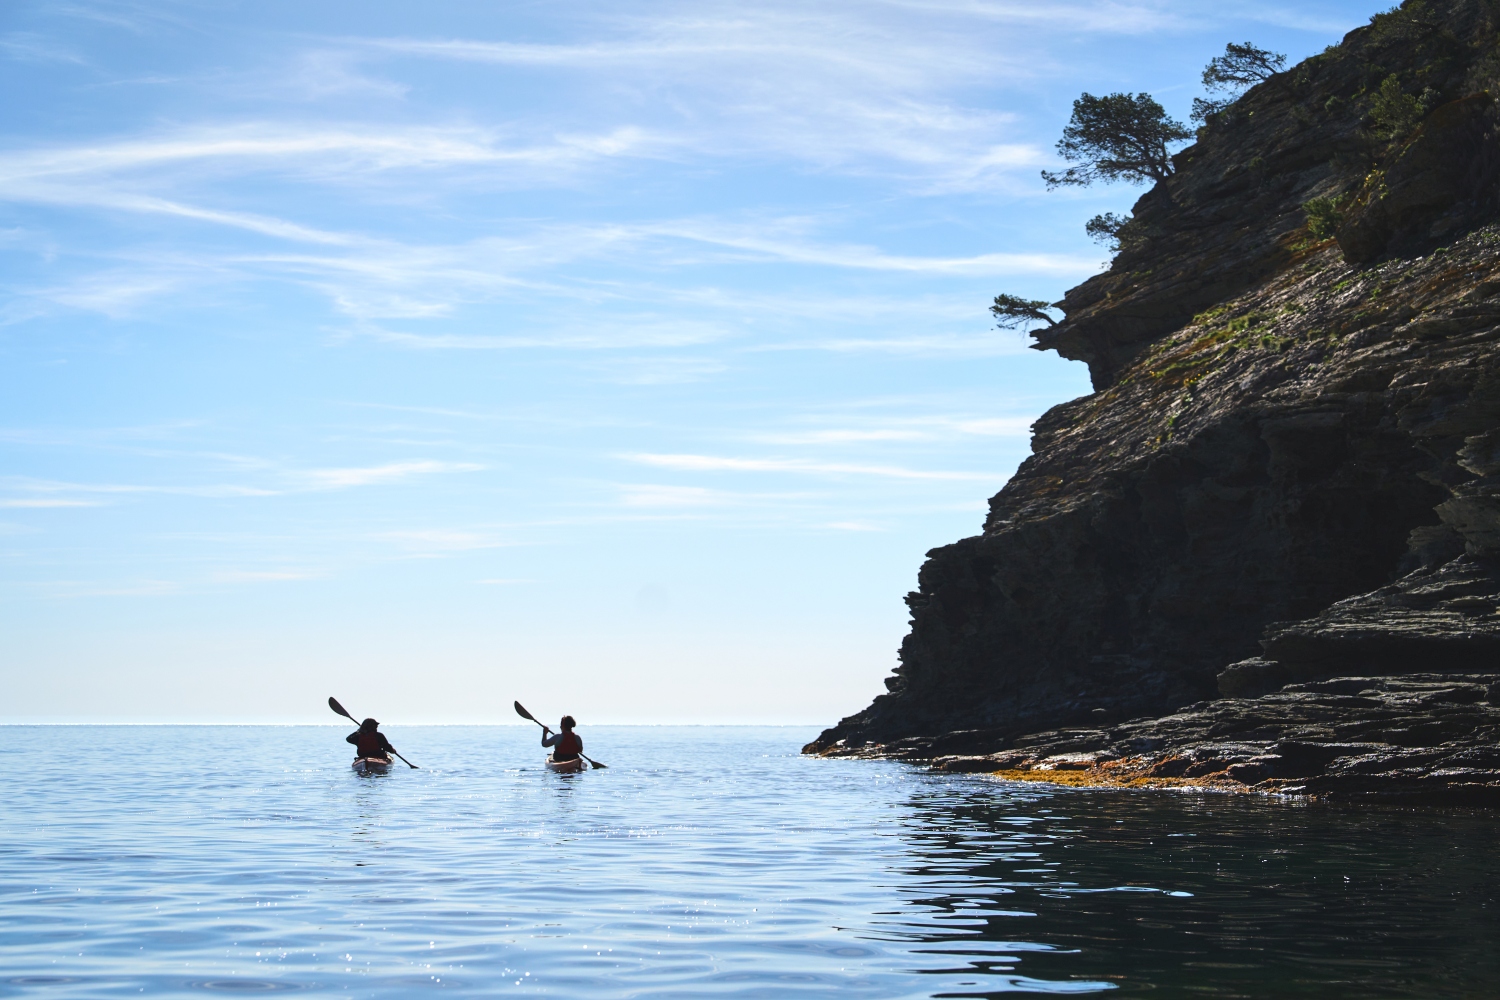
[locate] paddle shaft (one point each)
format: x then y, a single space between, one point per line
333 704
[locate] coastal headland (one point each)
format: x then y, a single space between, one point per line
1280 506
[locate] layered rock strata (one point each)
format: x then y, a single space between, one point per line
1290 466
1416 738
1433 619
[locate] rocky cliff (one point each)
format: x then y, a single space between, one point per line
1290 466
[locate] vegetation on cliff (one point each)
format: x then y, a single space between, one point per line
1239 68
1128 137
1119 137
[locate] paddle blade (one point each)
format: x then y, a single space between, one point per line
333 703
598 766
521 711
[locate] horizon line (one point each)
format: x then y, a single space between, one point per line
490 725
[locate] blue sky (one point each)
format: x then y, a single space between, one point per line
624 358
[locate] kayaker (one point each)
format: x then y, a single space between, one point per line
565 745
370 742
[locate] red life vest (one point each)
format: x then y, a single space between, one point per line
567 746
370 744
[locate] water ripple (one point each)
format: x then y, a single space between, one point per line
209 865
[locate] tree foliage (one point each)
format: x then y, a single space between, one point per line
1238 69
1396 112
1324 215
1241 67
1205 108
1405 20
1117 137
1114 232
1013 312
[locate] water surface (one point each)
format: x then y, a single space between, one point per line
188 861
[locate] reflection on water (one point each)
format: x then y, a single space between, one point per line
1194 894
186 871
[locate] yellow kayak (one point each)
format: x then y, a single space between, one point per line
565 766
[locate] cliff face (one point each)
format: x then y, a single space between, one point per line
1279 424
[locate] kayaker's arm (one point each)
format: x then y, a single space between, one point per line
548 739
352 738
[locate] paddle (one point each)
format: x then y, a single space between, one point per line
333 703
521 711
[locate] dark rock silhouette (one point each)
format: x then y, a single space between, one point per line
1417 738
1290 466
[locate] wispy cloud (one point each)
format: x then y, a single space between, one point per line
376 280
658 370
987 344
265 575
131 15
622 332
85 196
144 176
280 481
907 429
767 80
774 242
715 463
320 74
49 488
845 436
335 479
42 503
113 293
1087 17
996 426
895 94
383 281
729 36
670 496
1123 18
1299 17
137 588
327 152
443 541
25 46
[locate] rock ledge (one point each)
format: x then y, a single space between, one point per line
1416 738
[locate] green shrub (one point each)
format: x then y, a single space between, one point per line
1395 111
1324 216
1400 21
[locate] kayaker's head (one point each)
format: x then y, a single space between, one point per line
369 726
567 723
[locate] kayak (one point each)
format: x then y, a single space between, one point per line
565 766
370 765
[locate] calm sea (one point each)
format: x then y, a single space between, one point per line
188 861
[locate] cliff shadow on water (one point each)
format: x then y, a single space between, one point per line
1289 470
